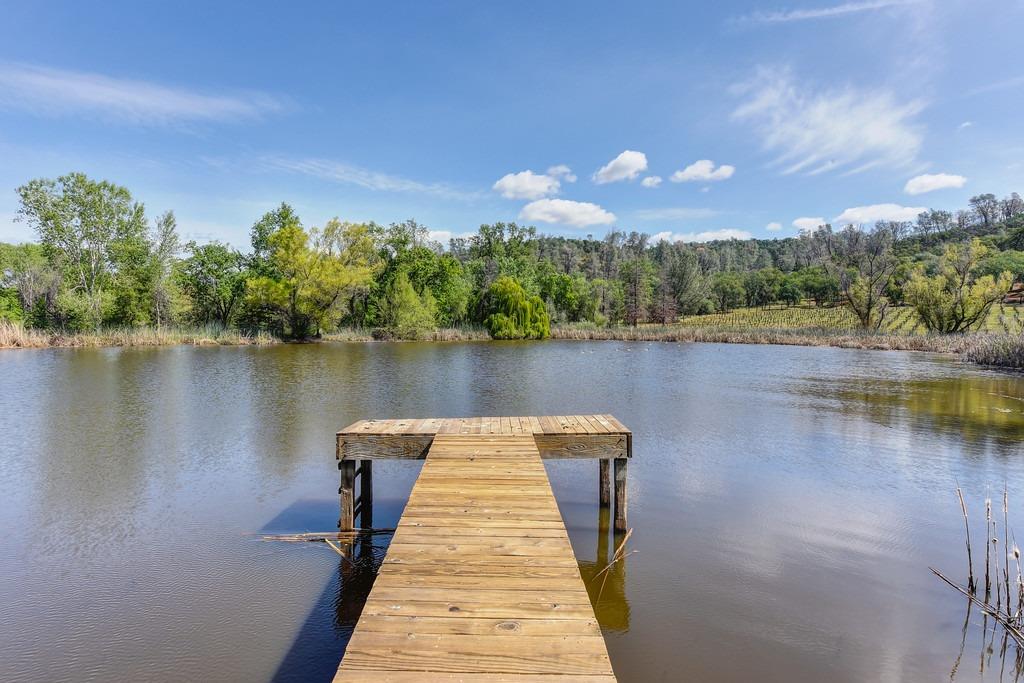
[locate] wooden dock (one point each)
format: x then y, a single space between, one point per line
480 582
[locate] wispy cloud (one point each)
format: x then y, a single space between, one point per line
675 213
818 130
57 92
1015 82
786 16
347 174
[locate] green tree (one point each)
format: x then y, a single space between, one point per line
997 263
213 278
406 314
637 277
955 299
165 247
513 313
312 272
791 291
93 232
727 290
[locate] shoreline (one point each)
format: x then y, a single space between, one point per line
997 350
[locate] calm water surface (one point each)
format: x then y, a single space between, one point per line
786 503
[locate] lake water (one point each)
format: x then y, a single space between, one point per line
786 503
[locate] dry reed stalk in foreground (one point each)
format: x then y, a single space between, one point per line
1010 617
971 585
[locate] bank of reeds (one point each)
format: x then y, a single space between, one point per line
13 335
1003 350
847 339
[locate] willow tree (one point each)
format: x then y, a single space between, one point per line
955 299
311 274
513 313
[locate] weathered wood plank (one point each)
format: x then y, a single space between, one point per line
480 582
608 446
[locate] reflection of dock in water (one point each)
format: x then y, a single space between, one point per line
480 579
607 589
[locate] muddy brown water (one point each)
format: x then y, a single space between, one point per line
786 504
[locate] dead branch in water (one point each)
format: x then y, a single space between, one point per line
324 536
986 608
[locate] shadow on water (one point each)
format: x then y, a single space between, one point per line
320 643
318 646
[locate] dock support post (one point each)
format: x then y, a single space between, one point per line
620 494
605 484
348 480
366 494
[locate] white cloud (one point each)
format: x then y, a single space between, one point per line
347 174
530 185
774 226
814 131
965 124
566 212
808 223
626 166
675 213
651 181
563 172
846 8
929 182
443 236
53 92
703 171
706 236
527 185
878 212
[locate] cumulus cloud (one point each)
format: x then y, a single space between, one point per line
808 222
530 185
929 182
878 212
347 174
817 130
674 213
626 166
651 181
53 92
774 226
831 12
706 236
703 171
527 185
563 172
566 212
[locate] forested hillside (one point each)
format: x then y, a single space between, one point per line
101 261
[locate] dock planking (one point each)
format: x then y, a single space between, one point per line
480 582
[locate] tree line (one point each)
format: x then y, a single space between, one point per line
101 262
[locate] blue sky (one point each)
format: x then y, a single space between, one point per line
688 121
